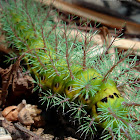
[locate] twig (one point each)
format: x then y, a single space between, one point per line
85 48
130 104
137 64
15 134
91 122
126 134
111 69
108 47
23 129
67 53
111 133
118 118
26 9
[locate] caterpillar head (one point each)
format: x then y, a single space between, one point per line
109 98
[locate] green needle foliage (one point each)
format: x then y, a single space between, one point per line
72 72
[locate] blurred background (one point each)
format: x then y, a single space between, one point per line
125 9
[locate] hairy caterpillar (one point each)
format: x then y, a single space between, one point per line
56 62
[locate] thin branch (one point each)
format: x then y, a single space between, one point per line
112 68
19 59
84 49
24 130
53 65
51 96
130 104
49 52
53 28
56 43
65 100
26 9
118 34
42 33
67 53
126 134
75 37
111 133
91 122
133 83
48 13
137 64
84 59
118 118
40 61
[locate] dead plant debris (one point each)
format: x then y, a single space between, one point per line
21 83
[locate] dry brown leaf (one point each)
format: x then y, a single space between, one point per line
10 113
21 83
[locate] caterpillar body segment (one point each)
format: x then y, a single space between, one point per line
85 85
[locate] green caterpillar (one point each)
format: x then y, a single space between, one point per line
58 71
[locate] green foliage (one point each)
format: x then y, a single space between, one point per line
75 76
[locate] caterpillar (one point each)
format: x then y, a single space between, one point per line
68 68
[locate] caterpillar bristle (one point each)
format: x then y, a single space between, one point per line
75 73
